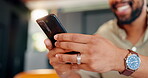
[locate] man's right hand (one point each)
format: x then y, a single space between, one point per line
63 70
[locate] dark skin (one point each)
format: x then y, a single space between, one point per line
97 48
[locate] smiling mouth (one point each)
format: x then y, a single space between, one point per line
123 8
122 5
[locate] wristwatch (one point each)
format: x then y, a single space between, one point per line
132 63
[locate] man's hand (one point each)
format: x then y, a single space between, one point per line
63 70
97 53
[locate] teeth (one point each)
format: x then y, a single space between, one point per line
123 8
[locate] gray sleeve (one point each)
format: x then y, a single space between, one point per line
88 74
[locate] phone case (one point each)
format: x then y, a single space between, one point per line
51 26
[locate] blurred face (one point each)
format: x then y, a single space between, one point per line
126 11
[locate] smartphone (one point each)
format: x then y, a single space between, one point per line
51 26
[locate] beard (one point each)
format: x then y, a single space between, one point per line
133 16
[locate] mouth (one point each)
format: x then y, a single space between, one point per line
123 8
122 5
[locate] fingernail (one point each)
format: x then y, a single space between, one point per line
46 41
57 55
56 44
48 44
55 37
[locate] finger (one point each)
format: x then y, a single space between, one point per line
79 38
62 67
55 51
68 58
48 44
54 61
72 46
57 64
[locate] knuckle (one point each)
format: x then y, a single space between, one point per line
52 62
85 48
92 66
90 60
75 37
92 39
91 50
68 45
95 39
67 37
95 67
49 55
61 58
70 60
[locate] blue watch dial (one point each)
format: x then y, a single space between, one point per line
133 62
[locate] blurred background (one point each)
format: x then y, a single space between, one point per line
21 39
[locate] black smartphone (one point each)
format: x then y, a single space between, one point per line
51 26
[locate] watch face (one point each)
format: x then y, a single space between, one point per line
133 62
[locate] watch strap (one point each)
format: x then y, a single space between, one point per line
127 71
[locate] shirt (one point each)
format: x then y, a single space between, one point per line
116 35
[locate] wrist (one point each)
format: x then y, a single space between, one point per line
132 63
120 62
